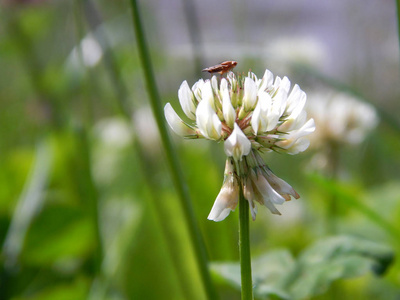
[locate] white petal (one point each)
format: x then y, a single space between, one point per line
196 88
228 111
176 123
186 99
295 102
224 84
265 201
237 144
253 209
299 146
214 83
208 121
259 119
265 189
250 94
207 94
279 101
279 185
249 195
285 84
293 136
227 198
292 124
266 81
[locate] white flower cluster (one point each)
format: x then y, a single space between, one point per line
341 118
250 115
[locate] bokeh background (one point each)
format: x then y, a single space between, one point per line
87 206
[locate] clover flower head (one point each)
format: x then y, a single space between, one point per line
249 115
341 118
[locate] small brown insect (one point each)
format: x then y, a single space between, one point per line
221 68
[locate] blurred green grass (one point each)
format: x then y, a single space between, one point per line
72 111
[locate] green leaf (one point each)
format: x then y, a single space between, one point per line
76 290
336 258
60 232
267 269
277 274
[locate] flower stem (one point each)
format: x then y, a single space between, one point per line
244 248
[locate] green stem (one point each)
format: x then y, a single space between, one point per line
172 159
244 248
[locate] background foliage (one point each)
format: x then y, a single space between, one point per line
84 215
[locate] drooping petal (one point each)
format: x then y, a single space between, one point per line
265 189
249 195
226 201
186 99
237 144
279 185
250 94
228 197
208 121
253 209
264 200
177 124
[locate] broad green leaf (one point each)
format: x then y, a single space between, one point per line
268 270
276 273
76 290
336 258
60 232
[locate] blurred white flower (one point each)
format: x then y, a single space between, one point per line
114 132
112 136
250 115
88 52
340 118
290 50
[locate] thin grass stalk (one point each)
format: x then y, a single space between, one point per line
94 19
244 248
398 22
58 122
172 158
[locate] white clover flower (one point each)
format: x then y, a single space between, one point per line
341 119
249 115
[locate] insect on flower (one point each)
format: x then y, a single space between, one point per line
221 68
